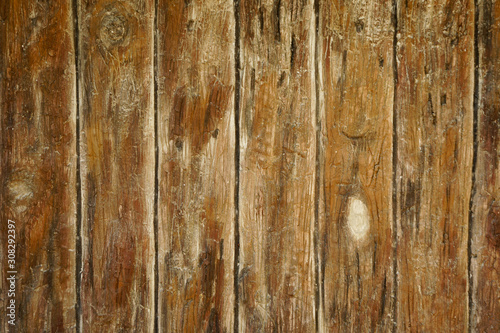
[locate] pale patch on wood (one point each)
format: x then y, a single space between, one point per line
20 189
358 219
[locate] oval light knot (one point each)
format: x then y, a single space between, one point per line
357 218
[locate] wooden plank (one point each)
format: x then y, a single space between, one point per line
38 165
117 165
435 140
486 219
196 165
357 93
278 145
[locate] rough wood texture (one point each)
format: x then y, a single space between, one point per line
434 159
251 165
355 239
196 165
117 165
38 163
277 133
486 218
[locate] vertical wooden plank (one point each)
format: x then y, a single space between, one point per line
435 146
485 252
196 165
117 165
278 139
38 164
357 89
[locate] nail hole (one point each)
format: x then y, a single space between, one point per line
178 144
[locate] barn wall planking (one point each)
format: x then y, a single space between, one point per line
485 251
38 164
355 238
196 137
434 162
117 165
278 144
320 165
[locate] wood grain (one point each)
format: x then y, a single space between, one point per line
251 165
355 226
38 174
278 143
485 252
117 165
196 136
435 149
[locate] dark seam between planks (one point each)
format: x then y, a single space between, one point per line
475 131
237 83
156 186
318 167
78 244
394 169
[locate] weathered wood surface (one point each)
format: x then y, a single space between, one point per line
278 140
251 165
196 138
485 260
356 111
38 163
117 165
435 44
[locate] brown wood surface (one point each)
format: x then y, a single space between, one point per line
196 136
251 165
434 162
278 141
486 219
38 163
355 233
117 165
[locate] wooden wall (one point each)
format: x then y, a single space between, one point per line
250 165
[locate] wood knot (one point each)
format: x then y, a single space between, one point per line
359 24
113 28
358 219
178 144
20 190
